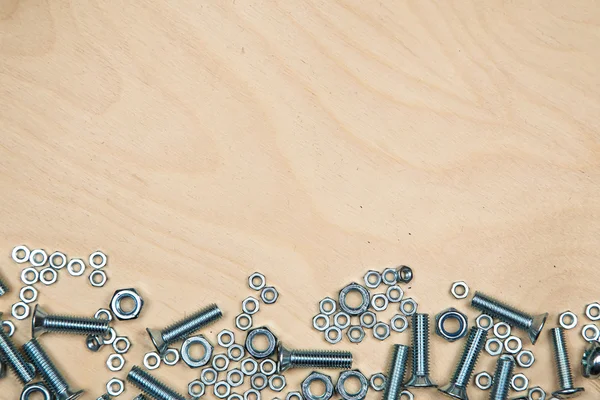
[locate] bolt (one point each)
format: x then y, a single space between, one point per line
3 288
42 322
152 386
50 374
312 359
502 377
11 357
105 396
533 325
590 362
563 366
183 328
457 387
396 371
141 396
420 352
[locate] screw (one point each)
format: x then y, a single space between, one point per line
420 352
152 386
396 371
141 396
42 322
590 362
10 356
533 325
3 288
563 366
50 374
105 396
457 387
183 328
504 371
312 359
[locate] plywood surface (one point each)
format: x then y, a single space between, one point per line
197 142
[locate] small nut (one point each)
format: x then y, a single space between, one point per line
356 334
484 322
94 342
540 394
151 360
381 331
333 334
405 274
269 295
483 380
121 344
249 366
359 394
115 362
460 290
220 362
277 383
372 279
592 311
389 276
567 320
20 310
293 396
525 359
171 356
236 352
408 306
271 342
28 294
235 377
115 387
327 306
243 322
493 346
321 322
10 325
379 302
253 394
502 330
222 389
519 382
119 296
257 281
394 294
341 320
259 381
377 381
196 389
209 376
399 323
368 319
268 367
590 333
317 377
250 305
103 313
226 338
513 345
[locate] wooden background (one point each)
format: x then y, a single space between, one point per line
196 142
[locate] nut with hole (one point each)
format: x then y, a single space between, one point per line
381 331
186 351
126 314
226 338
250 305
355 334
460 290
408 306
483 380
196 389
494 346
277 383
372 279
321 322
327 306
484 322
115 362
592 311
451 314
525 359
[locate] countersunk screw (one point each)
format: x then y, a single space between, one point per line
183 328
42 322
502 377
312 359
3 288
152 386
10 356
563 366
457 387
533 325
396 371
420 352
50 374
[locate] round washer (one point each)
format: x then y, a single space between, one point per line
22 249
20 310
11 327
110 387
38 257
44 276
94 256
187 356
98 283
36 387
365 299
271 343
76 267
25 276
171 357
378 387
57 260
152 360
23 294
499 334
462 325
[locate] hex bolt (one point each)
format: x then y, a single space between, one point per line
3 288
183 328
420 352
502 377
13 359
533 325
42 322
312 359
152 386
563 366
396 371
50 374
457 388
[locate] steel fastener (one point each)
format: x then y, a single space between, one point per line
396 371
312 359
501 382
420 352
9 354
563 366
152 386
43 322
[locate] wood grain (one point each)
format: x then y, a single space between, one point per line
197 142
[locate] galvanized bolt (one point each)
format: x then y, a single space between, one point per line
533 325
312 359
457 387
152 386
43 322
11 357
502 377
420 352
50 374
141 396
105 396
3 288
563 366
396 371
183 328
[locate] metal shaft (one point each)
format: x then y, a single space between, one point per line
563 366
9 354
395 376
3 288
43 322
185 327
533 325
50 374
312 359
420 352
105 396
502 377
152 386
457 387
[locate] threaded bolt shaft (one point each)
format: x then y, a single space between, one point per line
504 371
396 371
43 322
152 386
420 352
13 359
457 387
3 288
50 374
312 359
563 365
185 327
533 325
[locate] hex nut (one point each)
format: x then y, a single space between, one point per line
327 306
405 274
119 296
209 376
493 346
120 362
389 276
314 377
44 278
109 337
379 302
186 355
23 294
250 305
592 311
341 388
541 394
460 290
236 352
451 313
271 369
20 310
220 362
293 396
502 330
408 306
378 387
341 320
408 394
372 279
368 319
277 383
567 320
355 334
243 322
271 340
483 380
168 360
155 363
594 330
257 281
226 338
235 396
121 344
10 325
249 366
394 294
365 299
484 322
321 322
514 382
525 359
62 260
98 282
110 387
513 345
399 323
196 389
333 334
222 390
235 377
259 381
381 331
253 392
269 295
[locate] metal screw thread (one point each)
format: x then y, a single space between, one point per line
466 365
141 396
3 288
320 359
563 365
15 360
420 344
105 396
75 325
502 311
50 374
504 371
152 386
181 329
396 371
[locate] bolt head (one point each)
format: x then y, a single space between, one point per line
37 321
591 361
283 358
454 391
69 395
420 381
536 327
568 393
157 340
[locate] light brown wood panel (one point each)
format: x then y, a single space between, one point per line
197 142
